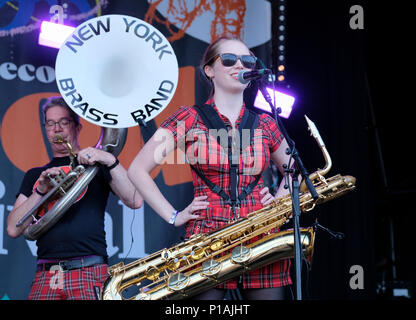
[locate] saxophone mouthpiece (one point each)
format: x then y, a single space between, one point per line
314 131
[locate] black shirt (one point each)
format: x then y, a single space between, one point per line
80 231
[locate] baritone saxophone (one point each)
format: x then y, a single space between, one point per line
206 260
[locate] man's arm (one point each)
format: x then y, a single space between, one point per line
120 183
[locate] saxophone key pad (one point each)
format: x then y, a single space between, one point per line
240 254
177 281
210 268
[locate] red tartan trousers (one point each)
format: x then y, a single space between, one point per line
78 284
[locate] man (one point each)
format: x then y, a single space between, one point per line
72 255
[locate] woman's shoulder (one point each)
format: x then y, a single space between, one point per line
265 117
268 123
183 113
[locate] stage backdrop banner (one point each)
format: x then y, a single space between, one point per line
27 78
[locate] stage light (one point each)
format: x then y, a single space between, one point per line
280 13
283 101
53 34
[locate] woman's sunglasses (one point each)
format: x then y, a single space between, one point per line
230 59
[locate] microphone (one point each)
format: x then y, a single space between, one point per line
246 76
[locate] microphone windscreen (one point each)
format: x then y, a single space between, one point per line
241 77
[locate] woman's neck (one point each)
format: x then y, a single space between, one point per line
229 105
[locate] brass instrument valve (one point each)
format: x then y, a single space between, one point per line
69 178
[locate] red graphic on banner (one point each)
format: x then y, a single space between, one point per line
228 16
21 132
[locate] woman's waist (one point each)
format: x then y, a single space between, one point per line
220 211
244 192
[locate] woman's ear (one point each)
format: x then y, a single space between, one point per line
209 72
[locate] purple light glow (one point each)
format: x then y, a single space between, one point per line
53 34
282 100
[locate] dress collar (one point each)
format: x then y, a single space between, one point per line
224 118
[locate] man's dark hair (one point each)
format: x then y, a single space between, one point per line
59 101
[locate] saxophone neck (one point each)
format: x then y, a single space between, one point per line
320 173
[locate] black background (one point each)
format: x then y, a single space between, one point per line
356 85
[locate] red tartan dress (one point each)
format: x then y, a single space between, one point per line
201 149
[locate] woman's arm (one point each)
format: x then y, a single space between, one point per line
160 145
120 183
280 158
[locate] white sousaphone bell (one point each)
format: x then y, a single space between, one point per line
116 70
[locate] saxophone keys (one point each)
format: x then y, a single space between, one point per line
236 235
216 244
115 269
240 254
174 264
321 178
177 281
152 273
197 253
165 255
309 207
210 268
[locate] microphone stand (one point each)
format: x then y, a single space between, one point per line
300 169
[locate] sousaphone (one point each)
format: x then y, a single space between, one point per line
115 71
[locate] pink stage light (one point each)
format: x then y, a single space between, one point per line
282 100
53 34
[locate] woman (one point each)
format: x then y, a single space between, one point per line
221 64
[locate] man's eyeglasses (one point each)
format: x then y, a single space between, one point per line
230 59
63 123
